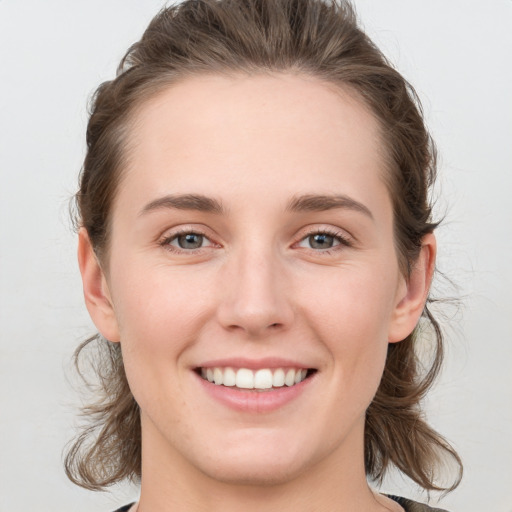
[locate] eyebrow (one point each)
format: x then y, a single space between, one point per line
185 202
324 202
303 203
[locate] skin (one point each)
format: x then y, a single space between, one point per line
257 288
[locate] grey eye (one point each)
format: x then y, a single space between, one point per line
321 241
190 241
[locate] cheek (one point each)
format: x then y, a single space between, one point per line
154 305
352 317
159 313
355 303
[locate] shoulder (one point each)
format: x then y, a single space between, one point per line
414 506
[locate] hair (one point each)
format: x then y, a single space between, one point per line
317 38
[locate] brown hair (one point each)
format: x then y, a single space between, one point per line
309 37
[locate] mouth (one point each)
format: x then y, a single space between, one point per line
258 380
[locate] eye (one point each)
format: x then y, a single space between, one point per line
186 241
323 240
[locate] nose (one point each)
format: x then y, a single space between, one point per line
255 296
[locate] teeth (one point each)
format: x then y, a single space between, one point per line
265 378
244 379
300 375
278 378
289 380
229 377
217 376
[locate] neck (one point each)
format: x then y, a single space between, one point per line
337 482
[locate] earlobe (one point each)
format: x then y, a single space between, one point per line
413 295
96 291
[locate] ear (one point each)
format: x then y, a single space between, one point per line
413 292
96 291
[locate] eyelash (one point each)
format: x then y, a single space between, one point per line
338 236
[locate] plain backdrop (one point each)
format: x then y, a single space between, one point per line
53 53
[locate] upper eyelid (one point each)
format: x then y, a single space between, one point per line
333 231
183 229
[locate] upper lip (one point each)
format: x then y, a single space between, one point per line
254 364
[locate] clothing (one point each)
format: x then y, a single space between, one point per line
414 506
408 506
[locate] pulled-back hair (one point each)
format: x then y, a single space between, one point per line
305 37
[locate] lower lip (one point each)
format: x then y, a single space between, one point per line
255 401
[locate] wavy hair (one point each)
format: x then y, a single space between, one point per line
318 38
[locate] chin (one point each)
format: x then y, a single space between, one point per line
264 463
248 473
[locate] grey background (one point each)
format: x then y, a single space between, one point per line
53 53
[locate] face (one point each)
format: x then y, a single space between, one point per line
252 278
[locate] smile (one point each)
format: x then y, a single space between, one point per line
263 379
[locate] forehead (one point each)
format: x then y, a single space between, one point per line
268 132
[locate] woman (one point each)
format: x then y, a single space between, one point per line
256 248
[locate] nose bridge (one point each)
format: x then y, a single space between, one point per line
255 298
